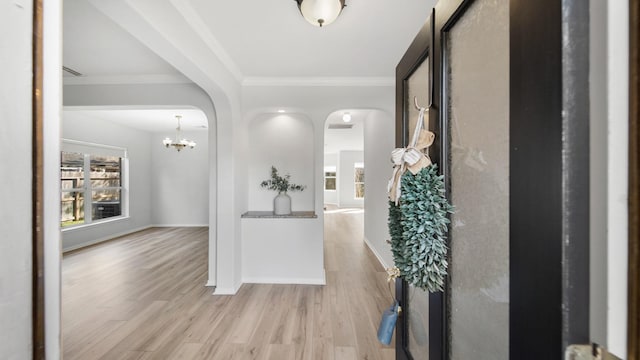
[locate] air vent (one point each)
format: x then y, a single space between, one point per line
340 126
71 71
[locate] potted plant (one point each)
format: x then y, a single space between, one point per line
281 184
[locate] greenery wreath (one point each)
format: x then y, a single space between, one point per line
419 227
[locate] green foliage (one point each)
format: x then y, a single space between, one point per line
281 184
395 231
418 229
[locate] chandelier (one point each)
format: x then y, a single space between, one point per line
320 12
178 143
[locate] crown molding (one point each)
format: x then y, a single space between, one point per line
127 79
318 81
248 82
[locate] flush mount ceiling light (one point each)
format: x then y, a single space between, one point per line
320 12
346 117
178 143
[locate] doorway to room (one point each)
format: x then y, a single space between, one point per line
344 160
343 176
343 183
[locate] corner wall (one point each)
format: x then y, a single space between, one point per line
52 90
15 182
618 174
609 94
379 130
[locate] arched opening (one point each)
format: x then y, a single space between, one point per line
118 179
353 154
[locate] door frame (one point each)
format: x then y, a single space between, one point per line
549 191
37 185
421 48
633 335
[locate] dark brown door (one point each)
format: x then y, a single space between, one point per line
419 330
514 153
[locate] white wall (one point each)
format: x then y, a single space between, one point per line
77 126
379 139
346 178
286 142
52 102
180 182
617 182
281 251
331 196
15 182
608 174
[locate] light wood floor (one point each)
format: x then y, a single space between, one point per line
143 297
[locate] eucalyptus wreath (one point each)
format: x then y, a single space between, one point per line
419 227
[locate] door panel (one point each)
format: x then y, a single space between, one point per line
417 300
421 319
476 114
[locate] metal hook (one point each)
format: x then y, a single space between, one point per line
415 102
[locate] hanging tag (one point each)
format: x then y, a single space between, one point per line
388 323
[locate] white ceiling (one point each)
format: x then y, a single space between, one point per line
94 45
263 38
270 38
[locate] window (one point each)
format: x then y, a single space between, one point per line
91 186
359 180
330 178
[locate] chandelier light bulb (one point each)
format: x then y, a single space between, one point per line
177 143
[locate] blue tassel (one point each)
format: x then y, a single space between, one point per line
388 323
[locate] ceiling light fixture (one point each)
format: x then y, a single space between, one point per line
281 111
346 117
320 12
178 143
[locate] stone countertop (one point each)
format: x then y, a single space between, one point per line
271 215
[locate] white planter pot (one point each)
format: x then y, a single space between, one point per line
282 204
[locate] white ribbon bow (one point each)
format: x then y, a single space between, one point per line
411 157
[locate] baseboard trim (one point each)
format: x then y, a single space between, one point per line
375 252
103 239
179 225
288 281
225 291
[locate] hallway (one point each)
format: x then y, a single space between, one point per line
141 297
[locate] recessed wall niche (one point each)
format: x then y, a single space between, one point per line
286 142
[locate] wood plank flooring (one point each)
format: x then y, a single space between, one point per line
143 297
